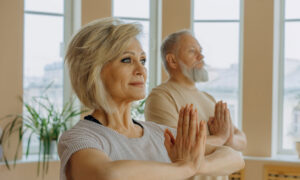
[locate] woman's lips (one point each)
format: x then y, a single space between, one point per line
138 84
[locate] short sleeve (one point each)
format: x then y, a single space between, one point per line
73 141
161 108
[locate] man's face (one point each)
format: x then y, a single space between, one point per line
189 52
190 59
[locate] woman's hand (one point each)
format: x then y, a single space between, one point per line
189 146
220 125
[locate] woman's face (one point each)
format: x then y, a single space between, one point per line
125 77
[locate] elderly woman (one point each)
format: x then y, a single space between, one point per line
107 72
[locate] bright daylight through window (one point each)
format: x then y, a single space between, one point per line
217 28
43 53
291 80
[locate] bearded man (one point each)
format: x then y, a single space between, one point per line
183 59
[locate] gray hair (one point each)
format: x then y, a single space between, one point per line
169 44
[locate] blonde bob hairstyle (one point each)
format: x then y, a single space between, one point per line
95 44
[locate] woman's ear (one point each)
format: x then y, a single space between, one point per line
171 60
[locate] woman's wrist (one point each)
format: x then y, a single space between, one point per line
187 168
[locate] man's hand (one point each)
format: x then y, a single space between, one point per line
189 146
231 134
220 125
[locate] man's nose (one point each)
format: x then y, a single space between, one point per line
200 56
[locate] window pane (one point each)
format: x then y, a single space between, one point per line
131 8
52 6
292 9
43 64
292 40
220 43
216 9
291 107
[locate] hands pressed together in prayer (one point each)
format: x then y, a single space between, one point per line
189 145
221 124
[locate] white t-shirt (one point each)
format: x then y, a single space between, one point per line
88 134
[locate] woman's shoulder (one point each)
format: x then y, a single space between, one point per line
83 132
82 135
81 129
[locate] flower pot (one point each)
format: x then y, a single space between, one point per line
52 150
298 148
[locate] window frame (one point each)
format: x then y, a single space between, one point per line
278 79
68 26
240 55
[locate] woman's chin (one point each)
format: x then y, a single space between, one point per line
138 97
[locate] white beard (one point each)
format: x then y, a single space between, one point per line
194 74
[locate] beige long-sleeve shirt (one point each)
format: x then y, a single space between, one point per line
164 103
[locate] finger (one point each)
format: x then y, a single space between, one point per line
202 134
167 141
171 136
227 117
179 126
210 124
185 124
216 109
193 126
222 115
228 112
210 120
218 116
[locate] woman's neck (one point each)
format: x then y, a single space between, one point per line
120 120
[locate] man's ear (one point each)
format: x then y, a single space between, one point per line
171 60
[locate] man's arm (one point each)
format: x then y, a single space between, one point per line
237 140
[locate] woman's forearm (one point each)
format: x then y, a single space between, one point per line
222 161
136 170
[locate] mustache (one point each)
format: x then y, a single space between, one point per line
200 62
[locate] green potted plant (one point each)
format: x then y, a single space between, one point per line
137 110
43 119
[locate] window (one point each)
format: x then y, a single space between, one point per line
44 30
216 25
147 13
289 77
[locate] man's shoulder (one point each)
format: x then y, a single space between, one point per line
161 90
163 86
209 96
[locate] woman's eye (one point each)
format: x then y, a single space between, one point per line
126 60
143 61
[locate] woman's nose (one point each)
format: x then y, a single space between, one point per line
140 69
